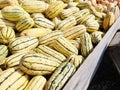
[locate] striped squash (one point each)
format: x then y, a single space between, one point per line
74 32
23 43
50 37
80 15
14 13
50 1
34 6
99 15
76 60
116 11
66 1
36 83
100 22
35 32
45 50
66 23
7 34
84 4
60 76
92 25
75 43
63 46
13 79
86 18
14 59
2 24
8 23
88 5
4 3
72 4
3 53
96 36
77 0
43 22
1 14
38 64
25 23
54 9
100 8
68 12
37 15
56 21
86 44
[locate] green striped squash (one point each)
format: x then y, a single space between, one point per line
47 51
86 44
50 37
86 18
68 12
37 15
13 79
43 22
72 4
50 1
92 25
3 53
2 24
36 83
38 64
64 46
96 36
14 13
66 23
116 11
80 15
84 4
88 5
24 43
24 24
56 20
76 60
7 34
75 43
34 6
60 76
74 32
8 23
66 1
54 9
14 59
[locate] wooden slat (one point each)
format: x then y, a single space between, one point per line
82 77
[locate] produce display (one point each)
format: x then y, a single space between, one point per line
43 42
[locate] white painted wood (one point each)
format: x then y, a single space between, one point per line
82 77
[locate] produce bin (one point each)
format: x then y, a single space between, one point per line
84 74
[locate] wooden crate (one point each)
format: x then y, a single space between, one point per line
82 77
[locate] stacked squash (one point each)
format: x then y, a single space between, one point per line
43 43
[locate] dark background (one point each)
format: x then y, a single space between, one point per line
107 76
